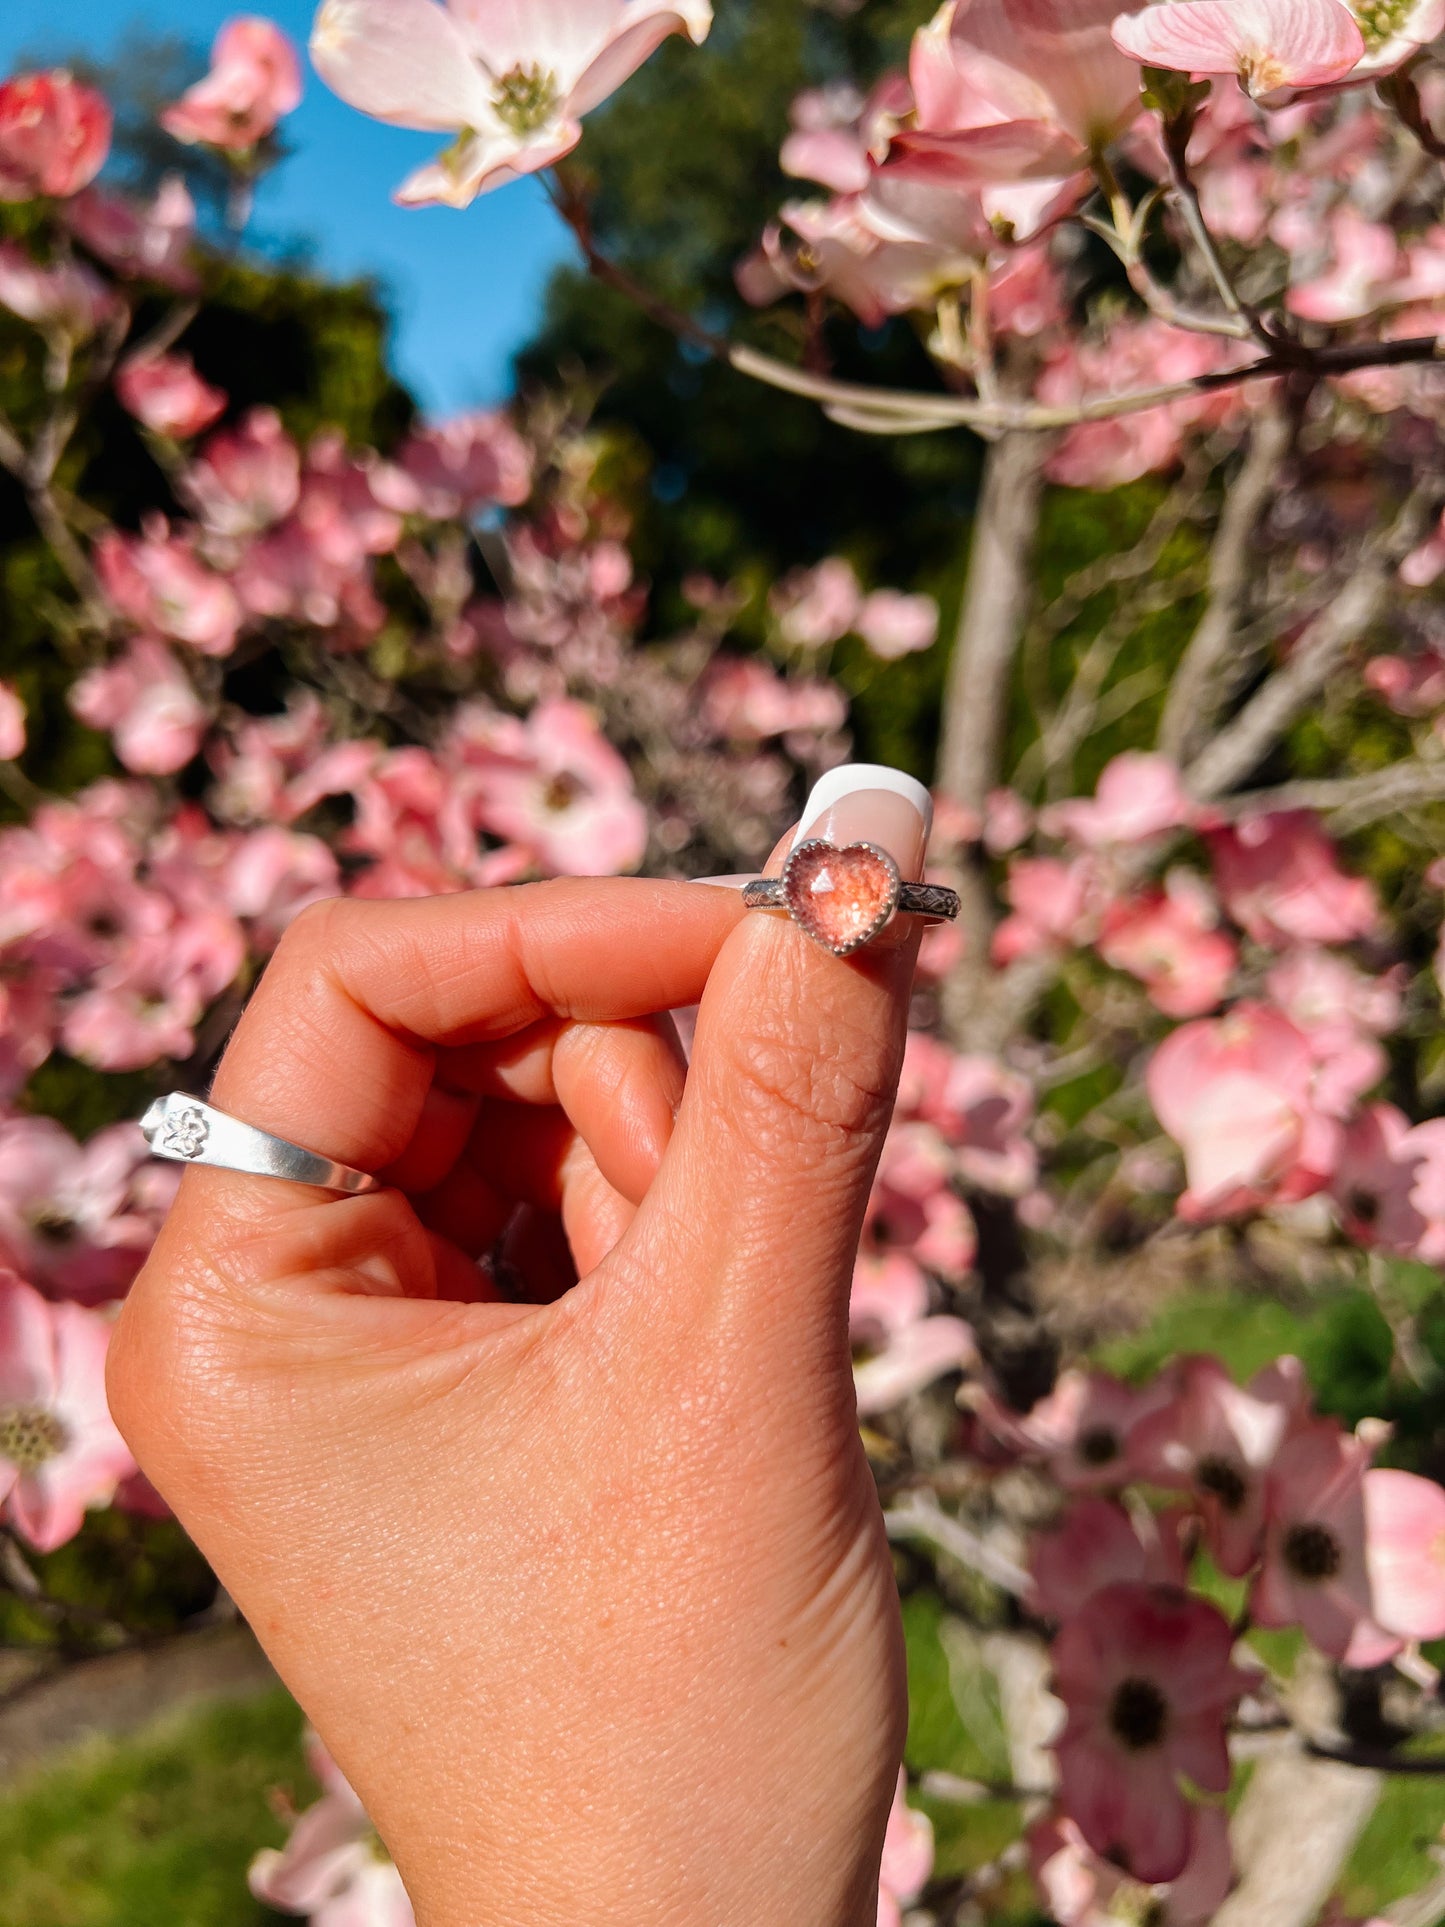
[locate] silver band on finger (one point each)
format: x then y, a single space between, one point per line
187 1131
844 898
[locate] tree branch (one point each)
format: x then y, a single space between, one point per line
990 631
905 411
1352 801
1192 698
920 1516
1294 1830
1242 746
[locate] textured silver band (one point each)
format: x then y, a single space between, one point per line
187 1131
930 900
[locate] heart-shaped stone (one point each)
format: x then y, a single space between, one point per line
841 897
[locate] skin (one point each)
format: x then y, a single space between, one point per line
590 1596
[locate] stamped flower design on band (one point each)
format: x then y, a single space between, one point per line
185 1133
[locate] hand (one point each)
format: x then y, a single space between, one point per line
590 1598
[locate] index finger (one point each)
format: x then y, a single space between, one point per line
337 1047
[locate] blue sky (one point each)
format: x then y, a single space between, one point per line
465 287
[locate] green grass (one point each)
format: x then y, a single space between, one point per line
1391 1857
155 1831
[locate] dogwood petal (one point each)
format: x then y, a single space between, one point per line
482 165
27 1345
645 25
562 37
403 61
1009 151
1270 43
1405 1552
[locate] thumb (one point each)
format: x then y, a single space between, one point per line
760 1198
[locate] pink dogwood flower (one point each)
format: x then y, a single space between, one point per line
333 1871
1364 259
512 84
63 299
274 874
467 463
815 607
1097 1543
1085 1429
158 582
1280 880
1146 1676
837 133
1217 1441
1134 354
911 1209
907 1857
1405 1553
743 700
70 1221
147 704
893 624
1271 45
1314 1572
556 786
1008 821
248 478
1394 34
60 1452
1139 796
1082 1890
1411 685
1236 1093
982 1108
12 723
898 1348
1169 939
253 83
140 244
54 135
1009 93
166 395
1053 906
861 252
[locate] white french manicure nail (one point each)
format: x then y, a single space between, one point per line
871 803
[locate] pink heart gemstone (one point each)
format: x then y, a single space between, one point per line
841 898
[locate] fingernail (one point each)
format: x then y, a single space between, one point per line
726 883
871 803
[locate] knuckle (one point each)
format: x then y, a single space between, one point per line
816 1092
312 934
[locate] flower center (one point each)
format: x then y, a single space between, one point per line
525 99
1312 1552
1381 20
1364 1206
1138 1714
1263 73
562 792
1222 1481
29 1435
1099 1445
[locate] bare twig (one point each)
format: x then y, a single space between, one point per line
1351 801
919 1516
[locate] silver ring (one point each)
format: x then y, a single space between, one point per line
187 1131
844 898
